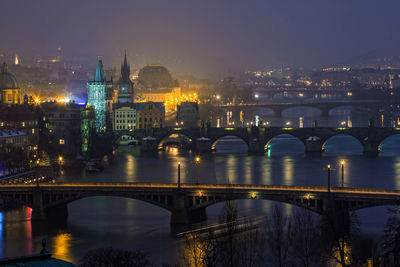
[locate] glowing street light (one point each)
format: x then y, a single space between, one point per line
179 174
253 196
342 164
60 162
197 163
329 178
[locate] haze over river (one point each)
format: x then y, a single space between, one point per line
131 224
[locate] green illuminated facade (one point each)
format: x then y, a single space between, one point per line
88 128
97 96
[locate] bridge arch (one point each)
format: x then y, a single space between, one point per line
332 109
389 144
163 141
219 138
283 134
358 144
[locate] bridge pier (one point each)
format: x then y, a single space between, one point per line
182 215
313 145
203 144
370 148
40 212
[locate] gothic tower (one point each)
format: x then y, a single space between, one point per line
125 85
97 96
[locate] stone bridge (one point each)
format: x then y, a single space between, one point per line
323 107
188 202
258 138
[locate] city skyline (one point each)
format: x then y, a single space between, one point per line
204 38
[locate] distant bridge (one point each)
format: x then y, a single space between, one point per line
258 138
323 107
188 202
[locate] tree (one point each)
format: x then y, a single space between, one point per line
339 229
200 250
278 231
305 238
391 243
110 257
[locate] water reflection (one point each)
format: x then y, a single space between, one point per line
62 246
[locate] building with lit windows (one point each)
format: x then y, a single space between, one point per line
22 118
188 114
97 90
125 85
10 93
63 123
124 116
150 115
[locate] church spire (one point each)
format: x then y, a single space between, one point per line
125 69
99 76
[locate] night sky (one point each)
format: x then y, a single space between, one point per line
202 37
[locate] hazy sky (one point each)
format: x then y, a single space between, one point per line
202 36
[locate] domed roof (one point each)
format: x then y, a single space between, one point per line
7 80
155 76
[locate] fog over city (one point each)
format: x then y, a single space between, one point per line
207 38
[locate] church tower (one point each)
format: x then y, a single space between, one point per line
125 85
96 90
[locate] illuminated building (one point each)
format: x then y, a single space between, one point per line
97 96
188 114
125 85
10 93
22 118
88 128
150 115
63 121
124 116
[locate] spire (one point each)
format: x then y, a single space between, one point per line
125 61
4 67
125 70
99 76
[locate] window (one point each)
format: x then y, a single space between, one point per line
62 142
33 131
62 115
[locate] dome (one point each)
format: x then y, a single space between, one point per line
155 76
7 80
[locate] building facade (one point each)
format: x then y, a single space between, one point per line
124 116
10 93
125 85
188 114
22 118
150 115
88 128
63 122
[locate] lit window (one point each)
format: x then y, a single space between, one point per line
23 124
62 141
33 131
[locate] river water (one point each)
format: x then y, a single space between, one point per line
131 224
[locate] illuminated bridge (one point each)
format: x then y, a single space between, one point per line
188 202
323 107
258 138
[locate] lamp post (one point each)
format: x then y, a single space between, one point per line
342 164
179 174
197 163
60 160
329 178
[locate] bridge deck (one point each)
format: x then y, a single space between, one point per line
194 187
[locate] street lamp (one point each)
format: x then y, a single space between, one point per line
329 178
197 163
342 164
60 161
179 174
